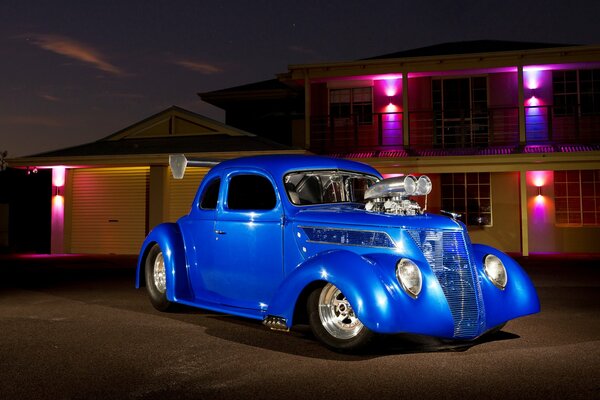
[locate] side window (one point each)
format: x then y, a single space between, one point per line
251 192
210 195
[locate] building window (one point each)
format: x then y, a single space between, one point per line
460 112
356 103
577 197
575 89
470 195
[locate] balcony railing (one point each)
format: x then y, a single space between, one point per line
494 127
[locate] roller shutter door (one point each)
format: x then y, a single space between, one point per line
109 212
182 192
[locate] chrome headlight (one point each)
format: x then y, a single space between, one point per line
495 270
409 277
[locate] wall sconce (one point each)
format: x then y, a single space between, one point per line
534 92
539 191
58 191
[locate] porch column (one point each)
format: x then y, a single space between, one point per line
522 128
157 195
405 121
524 212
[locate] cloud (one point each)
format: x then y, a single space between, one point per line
198 66
49 97
75 50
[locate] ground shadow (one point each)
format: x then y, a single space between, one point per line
101 282
301 342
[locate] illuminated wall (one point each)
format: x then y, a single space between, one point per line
538 96
387 99
544 235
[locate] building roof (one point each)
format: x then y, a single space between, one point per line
162 145
468 47
272 89
174 130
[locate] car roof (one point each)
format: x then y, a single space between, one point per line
281 164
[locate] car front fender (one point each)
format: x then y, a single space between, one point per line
519 297
370 285
168 237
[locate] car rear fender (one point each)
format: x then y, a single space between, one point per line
168 237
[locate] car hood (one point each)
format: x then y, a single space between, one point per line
345 215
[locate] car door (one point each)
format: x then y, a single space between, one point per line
244 264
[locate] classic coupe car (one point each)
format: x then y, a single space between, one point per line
304 239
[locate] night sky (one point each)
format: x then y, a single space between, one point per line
75 71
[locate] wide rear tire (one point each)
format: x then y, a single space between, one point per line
156 279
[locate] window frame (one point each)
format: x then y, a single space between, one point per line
576 198
477 118
355 109
463 183
567 86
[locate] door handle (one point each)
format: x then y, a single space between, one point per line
220 232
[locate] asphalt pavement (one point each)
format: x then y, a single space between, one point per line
74 327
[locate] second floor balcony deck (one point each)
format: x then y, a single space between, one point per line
456 131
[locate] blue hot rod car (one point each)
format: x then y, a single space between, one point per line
328 242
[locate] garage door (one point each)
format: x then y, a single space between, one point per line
182 192
108 213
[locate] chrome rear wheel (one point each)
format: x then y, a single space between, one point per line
160 273
156 279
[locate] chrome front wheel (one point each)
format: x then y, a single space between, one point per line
337 315
334 321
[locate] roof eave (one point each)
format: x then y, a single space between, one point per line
131 160
568 54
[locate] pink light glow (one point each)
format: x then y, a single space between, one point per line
538 178
532 102
58 210
391 108
386 176
539 207
532 78
58 203
391 87
58 176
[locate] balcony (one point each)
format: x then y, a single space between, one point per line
454 131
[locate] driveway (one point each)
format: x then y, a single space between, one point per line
74 327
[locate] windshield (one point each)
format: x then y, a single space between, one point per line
320 187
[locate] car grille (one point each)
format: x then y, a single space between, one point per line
450 257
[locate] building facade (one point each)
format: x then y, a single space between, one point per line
104 197
509 132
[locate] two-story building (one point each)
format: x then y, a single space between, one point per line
509 132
